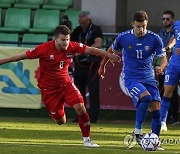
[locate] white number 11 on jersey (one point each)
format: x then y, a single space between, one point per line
139 54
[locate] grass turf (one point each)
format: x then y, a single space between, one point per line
42 135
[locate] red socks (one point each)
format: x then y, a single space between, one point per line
84 124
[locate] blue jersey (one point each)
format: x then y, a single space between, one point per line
175 58
138 54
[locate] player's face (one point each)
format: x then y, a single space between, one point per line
139 28
62 42
167 20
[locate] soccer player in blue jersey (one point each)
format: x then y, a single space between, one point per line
138 47
172 75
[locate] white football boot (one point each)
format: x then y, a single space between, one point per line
90 144
163 127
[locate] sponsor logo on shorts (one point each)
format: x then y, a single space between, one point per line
53 112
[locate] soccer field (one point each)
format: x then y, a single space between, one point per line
36 136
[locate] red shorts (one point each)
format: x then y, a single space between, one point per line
55 99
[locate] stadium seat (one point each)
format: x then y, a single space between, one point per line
6 3
73 16
34 38
0 17
58 4
9 37
31 4
45 21
16 20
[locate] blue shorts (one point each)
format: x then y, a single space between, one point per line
172 75
136 89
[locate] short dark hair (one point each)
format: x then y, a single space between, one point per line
140 16
62 29
169 12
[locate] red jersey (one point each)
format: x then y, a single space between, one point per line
54 63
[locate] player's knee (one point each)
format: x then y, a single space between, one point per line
145 102
80 110
155 105
61 121
147 99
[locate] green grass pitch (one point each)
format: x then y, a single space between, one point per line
36 136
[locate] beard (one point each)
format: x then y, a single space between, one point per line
62 47
168 26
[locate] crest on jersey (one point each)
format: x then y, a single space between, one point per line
146 48
129 47
51 57
69 55
81 45
31 50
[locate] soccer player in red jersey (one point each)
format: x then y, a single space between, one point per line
56 86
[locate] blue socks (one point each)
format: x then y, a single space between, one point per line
156 122
142 110
164 108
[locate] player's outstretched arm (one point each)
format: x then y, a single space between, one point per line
160 69
99 52
171 43
13 58
105 60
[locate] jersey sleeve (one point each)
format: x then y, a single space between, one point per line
78 47
116 46
36 52
160 52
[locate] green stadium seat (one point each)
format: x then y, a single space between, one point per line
9 37
37 38
16 20
45 21
58 4
73 16
31 4
6 3
0 17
